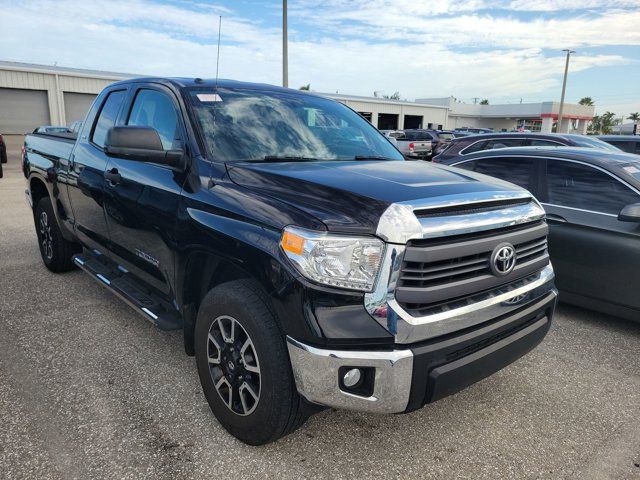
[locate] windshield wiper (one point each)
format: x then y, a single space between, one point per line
283 158
370 157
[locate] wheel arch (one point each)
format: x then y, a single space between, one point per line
38 190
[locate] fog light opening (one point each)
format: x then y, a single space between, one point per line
357 380
352 378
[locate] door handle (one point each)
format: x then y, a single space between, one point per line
112 176
556 218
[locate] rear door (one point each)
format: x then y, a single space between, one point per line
594 254
85 176
142 198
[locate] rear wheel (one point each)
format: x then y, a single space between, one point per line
56 252
244 366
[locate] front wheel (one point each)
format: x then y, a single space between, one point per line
244 366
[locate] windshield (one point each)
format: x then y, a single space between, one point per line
254 125
584 141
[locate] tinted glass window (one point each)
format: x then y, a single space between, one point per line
581 186
544 143
514 170
630 147
248 124
107 117
418 136
155 109
585 141
446 136
495 144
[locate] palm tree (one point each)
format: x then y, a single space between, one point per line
607 120
634 117
588 101
305 87
484 101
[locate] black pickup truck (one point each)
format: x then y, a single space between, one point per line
307 263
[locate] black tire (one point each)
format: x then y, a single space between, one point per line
279 409
56 252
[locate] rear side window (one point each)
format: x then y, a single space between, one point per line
544 143
495 144
155 109
418 136
581 186
515 170
107 117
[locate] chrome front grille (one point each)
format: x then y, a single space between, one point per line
435 272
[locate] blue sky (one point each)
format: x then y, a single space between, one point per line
503 50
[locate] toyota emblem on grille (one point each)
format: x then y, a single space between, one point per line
503 259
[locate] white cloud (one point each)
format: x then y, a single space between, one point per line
416 47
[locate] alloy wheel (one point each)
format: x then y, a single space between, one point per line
233 365
46 239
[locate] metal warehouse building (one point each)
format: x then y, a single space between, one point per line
34 95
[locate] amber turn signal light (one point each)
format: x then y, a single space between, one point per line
292 243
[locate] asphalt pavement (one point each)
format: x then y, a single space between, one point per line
89 389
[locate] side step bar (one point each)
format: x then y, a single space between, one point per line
123 284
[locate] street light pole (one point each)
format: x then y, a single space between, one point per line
564 88
285 47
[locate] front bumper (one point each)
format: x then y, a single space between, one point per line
407 378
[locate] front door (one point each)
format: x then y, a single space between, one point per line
593 253
85 177
142 198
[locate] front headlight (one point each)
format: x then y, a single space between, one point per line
336 260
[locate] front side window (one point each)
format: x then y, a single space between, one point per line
152 108
515 170
254 124
107 117
576 185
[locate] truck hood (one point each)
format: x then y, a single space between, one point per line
351 196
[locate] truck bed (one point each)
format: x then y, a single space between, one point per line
51 146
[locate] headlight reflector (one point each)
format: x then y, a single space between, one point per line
336 260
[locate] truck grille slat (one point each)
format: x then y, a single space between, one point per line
432 274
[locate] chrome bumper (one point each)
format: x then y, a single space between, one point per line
316 374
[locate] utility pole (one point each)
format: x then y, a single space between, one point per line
285 47
564 88
475 100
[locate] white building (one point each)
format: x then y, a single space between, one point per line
388 114
537 117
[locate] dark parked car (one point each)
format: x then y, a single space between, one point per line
626 143
3 151
477 143
592 200
304 260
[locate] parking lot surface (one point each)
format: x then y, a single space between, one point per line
89 389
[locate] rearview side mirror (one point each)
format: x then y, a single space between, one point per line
630 213
140 143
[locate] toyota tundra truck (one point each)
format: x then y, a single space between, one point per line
307 264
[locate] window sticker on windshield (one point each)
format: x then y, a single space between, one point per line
209 97
631 169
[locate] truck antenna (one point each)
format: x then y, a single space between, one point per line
218 55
